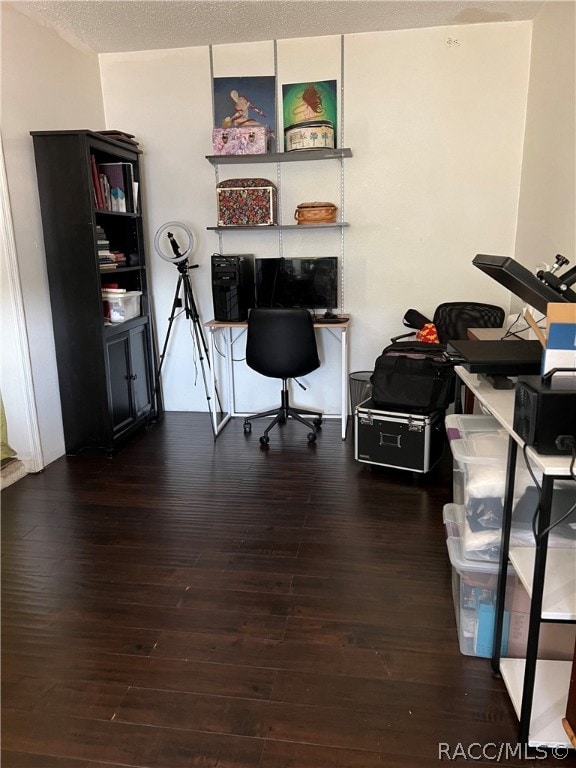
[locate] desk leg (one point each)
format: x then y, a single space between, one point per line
344 368
218 426
230 372
213 399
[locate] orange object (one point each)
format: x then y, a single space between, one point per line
428 333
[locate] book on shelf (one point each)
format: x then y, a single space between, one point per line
120 179
99 198
105 191
113 183
117 257
135 187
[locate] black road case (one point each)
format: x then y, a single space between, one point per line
412 441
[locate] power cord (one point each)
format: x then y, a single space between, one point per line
562 443
519 331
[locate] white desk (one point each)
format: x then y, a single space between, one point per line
229 333
538 688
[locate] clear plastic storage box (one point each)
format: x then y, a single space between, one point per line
482 471
482 461
453 516
464 427
460 425
119 307
474 587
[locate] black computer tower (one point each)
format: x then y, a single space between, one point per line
232 286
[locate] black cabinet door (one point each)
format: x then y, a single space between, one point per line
140 372
129 377
119 382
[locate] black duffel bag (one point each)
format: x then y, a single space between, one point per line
413 377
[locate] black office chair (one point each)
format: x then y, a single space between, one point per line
453 318
281 343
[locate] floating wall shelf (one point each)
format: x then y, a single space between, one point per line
282 157
274 227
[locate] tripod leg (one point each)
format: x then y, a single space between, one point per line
192 311
175 304
201 344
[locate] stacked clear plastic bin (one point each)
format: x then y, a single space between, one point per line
473 524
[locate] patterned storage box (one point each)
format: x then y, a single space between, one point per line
247 203
253 140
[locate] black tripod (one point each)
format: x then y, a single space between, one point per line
191 312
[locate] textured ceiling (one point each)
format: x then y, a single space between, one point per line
133 25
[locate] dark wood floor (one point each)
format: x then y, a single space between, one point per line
201 603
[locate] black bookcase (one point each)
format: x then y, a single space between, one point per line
106 370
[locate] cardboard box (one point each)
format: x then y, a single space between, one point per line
556 641
560 342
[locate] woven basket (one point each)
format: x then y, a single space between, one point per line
315 213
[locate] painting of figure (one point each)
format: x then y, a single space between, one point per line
302 102
245 102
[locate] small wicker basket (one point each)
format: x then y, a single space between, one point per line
315 213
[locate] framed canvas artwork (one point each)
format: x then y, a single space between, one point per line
302 102
245 102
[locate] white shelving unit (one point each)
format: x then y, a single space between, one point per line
538 688
551 682
559 597
280 159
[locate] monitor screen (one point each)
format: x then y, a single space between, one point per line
298 282
523 284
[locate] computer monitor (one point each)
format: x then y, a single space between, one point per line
523 284
311 283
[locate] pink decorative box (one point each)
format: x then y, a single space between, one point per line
252 140
247 203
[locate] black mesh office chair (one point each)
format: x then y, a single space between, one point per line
281 343
453 318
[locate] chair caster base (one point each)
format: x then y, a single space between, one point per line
312 437
264 440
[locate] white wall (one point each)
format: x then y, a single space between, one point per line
546 224
46 85
435 119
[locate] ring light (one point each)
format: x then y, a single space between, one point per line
177 255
